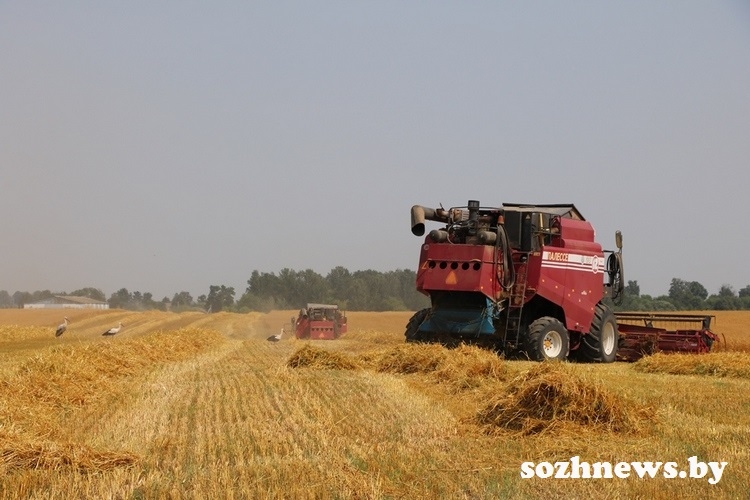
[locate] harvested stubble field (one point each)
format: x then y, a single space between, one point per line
195 406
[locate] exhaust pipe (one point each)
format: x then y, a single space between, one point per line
418 216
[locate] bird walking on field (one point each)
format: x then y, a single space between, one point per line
61 327
114 330
277 337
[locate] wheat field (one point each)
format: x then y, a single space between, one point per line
193 405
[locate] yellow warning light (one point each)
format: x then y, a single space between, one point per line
451 278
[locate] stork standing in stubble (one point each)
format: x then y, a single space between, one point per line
61 327
114 330
277 337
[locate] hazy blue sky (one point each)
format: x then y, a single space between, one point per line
168 146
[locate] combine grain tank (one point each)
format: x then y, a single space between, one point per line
320 321
527 280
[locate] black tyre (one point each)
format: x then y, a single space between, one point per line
412 327
600 344
547 339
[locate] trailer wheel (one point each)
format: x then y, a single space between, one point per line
412 327
600 344
547 339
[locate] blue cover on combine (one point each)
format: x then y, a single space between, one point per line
461 321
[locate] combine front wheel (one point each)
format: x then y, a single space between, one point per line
600 345
547 339
412 327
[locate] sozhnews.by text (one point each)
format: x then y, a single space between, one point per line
576 469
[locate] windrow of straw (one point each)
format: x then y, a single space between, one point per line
310 356
56 383
464 367
552 395
17 453
407 358
71 375
717 364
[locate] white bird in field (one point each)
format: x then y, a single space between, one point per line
113 330
61 327
277 337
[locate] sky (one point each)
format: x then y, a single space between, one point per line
170 146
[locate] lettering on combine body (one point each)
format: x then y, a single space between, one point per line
557 256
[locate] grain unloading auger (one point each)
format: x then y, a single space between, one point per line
529 280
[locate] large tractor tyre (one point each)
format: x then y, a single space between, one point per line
547 339
600 344
412 327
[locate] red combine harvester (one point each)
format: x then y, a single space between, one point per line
529 280
320 322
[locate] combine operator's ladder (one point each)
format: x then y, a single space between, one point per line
515 308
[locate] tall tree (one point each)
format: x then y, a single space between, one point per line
181 300
121 299
220 297
726 300
22 298
687 295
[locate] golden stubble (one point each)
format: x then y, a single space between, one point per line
188 405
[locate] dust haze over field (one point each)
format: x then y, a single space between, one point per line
195 405
163 147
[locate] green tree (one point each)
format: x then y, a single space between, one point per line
6 301
726 300
121 299
182 300
631 298
137 300
148 301
22 298
687 295
633 289
219 298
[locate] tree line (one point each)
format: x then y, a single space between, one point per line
685 296
289 289
362 291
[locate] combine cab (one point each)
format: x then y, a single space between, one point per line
320 322
529 280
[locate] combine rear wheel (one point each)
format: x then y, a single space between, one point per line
600 345
547 339
412 327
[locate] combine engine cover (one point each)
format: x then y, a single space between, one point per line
320 322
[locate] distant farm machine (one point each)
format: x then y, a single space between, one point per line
320 321
531 281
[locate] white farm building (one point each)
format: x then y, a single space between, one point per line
67 302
